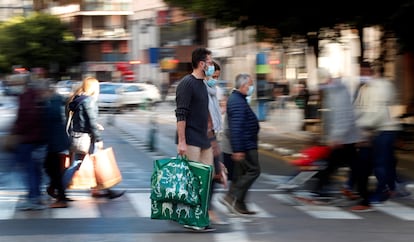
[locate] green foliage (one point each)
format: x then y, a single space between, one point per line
35 41
292 18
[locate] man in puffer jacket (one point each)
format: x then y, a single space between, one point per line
240 144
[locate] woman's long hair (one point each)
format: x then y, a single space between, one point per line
89 87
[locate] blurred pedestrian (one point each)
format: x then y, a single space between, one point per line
85 121
192 113
339 128
30 126
58 142
301 100
215 126
372 105
241 141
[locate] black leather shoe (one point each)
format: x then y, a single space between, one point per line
111 194
242 209
66 199
108 193
51 191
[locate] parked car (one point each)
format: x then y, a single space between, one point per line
118 97
151 93
66 88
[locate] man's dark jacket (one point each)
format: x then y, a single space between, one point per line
243 123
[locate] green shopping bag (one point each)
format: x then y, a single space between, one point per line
195 215
173 181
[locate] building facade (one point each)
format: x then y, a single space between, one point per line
102 35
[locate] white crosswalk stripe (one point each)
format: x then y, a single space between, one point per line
318 211
138 204
141 203
397 210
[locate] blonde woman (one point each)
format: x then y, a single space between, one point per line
83 105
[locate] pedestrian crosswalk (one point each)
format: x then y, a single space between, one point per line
137 204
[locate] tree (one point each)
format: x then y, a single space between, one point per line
294 18
40 40
291 18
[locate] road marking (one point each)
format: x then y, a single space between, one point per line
317 211
141 203
396 210
327 212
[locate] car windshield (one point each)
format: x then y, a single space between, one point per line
108 88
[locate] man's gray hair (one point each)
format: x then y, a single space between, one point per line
323 75
241 79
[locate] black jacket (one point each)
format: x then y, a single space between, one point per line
85 116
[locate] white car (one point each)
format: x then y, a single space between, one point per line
118 97
151 92
66 88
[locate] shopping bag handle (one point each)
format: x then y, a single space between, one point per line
182 157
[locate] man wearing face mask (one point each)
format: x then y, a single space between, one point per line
192 113
239 145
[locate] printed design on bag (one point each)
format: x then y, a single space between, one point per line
176 183
198 212
176 179
154 207
182 207
167 207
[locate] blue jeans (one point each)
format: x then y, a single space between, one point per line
32 156
76 159
70 171
384 161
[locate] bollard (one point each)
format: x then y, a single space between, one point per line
152 134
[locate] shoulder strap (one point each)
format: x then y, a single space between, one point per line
69 122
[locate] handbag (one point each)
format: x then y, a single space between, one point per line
80 142
107 173
194 215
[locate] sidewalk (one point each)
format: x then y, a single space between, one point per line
281 132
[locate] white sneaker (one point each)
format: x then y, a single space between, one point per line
200 229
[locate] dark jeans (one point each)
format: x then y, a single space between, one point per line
344 155
245 173
363 171
54 169
384 161
70 171
31 156
228 163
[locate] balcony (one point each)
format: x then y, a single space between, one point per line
108 33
